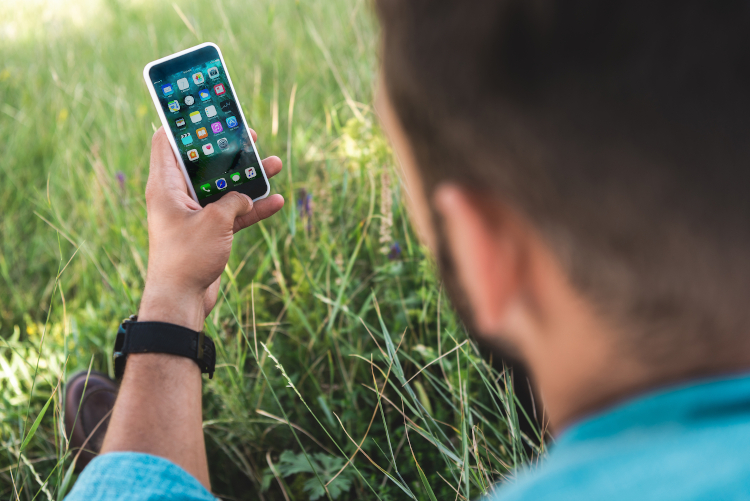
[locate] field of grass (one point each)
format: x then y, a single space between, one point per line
328 312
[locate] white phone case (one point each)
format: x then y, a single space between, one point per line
165 123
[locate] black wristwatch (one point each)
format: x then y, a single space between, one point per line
161 337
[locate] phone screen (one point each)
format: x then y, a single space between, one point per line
203 116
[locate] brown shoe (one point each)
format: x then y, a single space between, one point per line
92 420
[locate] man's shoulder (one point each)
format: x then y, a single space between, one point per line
697 464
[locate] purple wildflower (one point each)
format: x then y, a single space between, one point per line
305 206
121 179
395 251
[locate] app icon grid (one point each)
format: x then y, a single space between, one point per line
216 101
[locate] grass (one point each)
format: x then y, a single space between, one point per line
337 351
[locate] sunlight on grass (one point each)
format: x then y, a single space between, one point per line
34 19
336 286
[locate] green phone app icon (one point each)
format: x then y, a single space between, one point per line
206 189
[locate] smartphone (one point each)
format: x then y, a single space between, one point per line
198 106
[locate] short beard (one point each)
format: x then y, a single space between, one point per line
504 355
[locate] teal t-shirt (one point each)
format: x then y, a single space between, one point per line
688 442
133 476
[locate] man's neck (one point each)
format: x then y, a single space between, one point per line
578 379
577 363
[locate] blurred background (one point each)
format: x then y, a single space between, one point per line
336 286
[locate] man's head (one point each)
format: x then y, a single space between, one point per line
590 158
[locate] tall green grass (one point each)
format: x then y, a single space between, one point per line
342 371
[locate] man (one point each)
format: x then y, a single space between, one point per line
580 170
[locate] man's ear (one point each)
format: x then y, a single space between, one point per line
486 246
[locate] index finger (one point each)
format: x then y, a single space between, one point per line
165 174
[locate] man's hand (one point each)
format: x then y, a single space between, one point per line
188 245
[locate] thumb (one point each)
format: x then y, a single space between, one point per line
232 205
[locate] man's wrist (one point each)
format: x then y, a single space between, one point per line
174 306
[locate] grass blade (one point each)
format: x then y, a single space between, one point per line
37 421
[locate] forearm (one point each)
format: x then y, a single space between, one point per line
158 409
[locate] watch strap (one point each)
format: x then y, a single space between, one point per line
162 337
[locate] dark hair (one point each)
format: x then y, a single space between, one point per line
621 129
